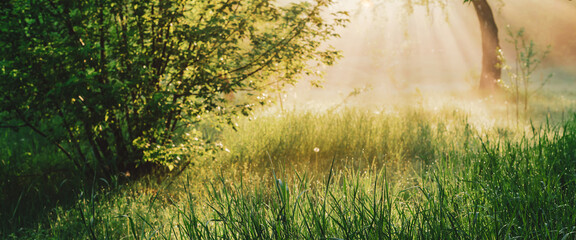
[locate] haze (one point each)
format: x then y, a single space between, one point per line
392 50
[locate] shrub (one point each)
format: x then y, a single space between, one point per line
114 84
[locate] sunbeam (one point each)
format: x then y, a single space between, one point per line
398 49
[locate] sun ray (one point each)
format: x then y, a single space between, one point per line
397 50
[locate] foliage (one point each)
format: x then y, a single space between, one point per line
114 84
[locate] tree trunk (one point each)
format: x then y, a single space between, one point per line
491 69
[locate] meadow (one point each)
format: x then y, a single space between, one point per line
171 119
351 172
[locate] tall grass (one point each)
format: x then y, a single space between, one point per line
359 139
31 174
412 174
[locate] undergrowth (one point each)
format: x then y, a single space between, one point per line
352 174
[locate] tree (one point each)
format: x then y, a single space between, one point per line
491 67
118 83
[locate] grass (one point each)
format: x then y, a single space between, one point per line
32 172
359 139
378 174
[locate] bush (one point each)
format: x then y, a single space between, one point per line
115 84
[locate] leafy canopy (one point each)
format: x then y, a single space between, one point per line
116 83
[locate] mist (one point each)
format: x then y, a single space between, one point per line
396 53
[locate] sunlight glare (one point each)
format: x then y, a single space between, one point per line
395 51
